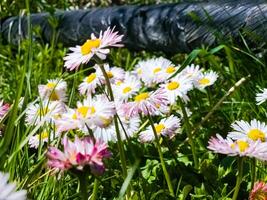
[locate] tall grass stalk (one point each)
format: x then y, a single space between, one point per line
238 178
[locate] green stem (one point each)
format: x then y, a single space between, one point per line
189 135
167 177
95 190
120 144
83 186
253 171
238 178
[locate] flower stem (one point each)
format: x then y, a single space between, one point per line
167 177
189 135
83 186
253 171
238 178
95 190
120 144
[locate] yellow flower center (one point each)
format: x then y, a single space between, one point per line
170 69
43 111
50 85
242 145
126 90
106 121
87 47
110 75
173 85
204 81
54 96
141 96
256 134
91 77
83 110
159 128
43 135
156 70
139 71
119 83
74 116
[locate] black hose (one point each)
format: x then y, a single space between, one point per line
170 28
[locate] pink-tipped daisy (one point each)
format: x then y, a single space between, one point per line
256 149
261 96
167 127
78 154
93 47
4 107
255 130
54 90
259 191
191 71
145 103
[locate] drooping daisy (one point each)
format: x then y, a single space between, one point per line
249 148
93 47
261 96
155 70
144 103
255 130
8 190
205 79
54 90
259 191
191 71
177 87
78 154
167 127
126 89
42 138
45 111
4 107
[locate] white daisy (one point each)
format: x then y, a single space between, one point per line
8 190
191 71
206 79
255 130
167 127
177 86
94 46
114 73
90 83
126 89
44 111
155 70
54 90
261 97
41 138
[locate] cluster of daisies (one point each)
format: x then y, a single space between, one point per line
151 88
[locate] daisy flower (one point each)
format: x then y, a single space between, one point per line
41 138
54 90
69 121
44 111
4 107
177 87
90 83
155 70
256 149
145 102
261 97
126 89
167 127
8 190
78 154
191 71
206 79
115 74
259 191
93 47
255 130
96 111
